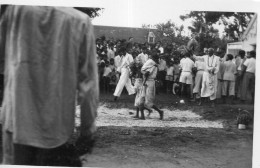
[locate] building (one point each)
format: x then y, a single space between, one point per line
140 35
248 39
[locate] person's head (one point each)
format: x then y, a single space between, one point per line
155 56
144 49
122 51
111 61
242 53
211 51
252 54
230 57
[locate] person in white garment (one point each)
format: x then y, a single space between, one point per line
186 80
143 56
123 68
228 88
209 79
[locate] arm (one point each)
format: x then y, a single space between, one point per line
88 82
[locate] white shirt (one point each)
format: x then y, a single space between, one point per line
125 61
110 54
162 65
250 64
200 65
186 64
229 71
107 70
161 50
117 61
169 70
143 57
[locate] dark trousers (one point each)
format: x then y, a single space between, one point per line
61 156
248 85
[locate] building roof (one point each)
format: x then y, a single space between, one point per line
139 34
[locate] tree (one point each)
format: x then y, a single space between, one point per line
92 12
235 22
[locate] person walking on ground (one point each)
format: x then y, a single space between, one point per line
149 70
123 68
44 68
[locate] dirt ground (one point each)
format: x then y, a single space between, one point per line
149 144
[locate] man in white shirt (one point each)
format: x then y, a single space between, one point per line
123 68
248 72
186 80
143 56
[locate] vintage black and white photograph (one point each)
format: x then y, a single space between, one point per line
128 83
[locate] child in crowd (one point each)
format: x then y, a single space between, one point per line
139 88
169 76
228 88
106 79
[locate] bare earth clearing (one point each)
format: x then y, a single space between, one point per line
190 136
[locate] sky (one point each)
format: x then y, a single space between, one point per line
134 13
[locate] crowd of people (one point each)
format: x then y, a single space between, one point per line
211 74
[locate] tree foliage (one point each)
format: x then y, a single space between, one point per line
235 23
92 12
169 33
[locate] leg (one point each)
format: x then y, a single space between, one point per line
142 113
149 110
137 113
159 111
121 83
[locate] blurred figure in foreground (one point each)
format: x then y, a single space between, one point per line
49 54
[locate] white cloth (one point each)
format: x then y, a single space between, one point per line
209 79
107 70
117 61
124 80
110 54
161 50
162 65
186 64
169 70
229 71
143 57
200 65
150 66
125 61
250 64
